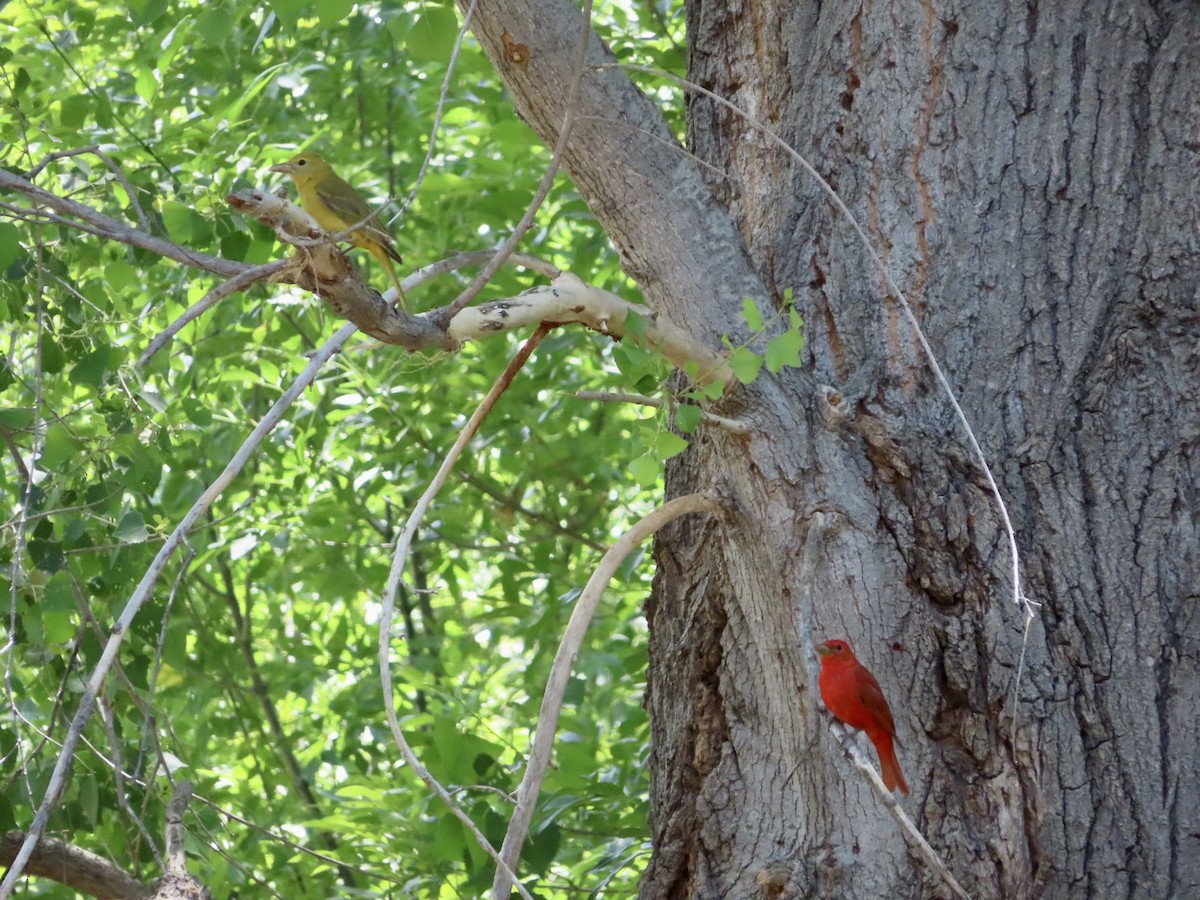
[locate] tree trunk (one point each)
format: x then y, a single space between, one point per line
1029 178
1028 175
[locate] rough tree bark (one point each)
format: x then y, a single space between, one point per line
1029 173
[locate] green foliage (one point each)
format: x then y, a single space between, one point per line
781 349
270 613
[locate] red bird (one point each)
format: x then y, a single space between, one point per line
853 695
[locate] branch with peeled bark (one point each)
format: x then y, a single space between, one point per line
570 299
320 268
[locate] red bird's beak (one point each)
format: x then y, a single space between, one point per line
823 650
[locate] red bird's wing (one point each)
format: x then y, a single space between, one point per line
871 696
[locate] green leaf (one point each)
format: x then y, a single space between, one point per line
120 275
634 362
687 417
330 12
59 449
233 112
90 370
746 364
669 444
751 315
215 25
16 418
59 627
784 350
433 35
544 848
646 470
181 221
10 244
131 529
21 82
143 12
635 323
73 111
176 40
89 797
198 414
146 84
59 595
47 555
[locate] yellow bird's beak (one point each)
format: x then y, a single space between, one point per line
284 167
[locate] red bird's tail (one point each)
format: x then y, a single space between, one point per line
888 764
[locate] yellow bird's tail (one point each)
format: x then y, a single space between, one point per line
385 253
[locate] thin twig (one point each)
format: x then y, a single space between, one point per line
176 835
395 576
733 425
470 258
208 301
95 150
15 452
854 753
438 110
85 218
560 673
108 717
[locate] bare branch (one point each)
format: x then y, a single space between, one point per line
238 283
560 673
78 869
102 225
566 299
400 557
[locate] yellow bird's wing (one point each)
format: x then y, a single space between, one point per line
343 202
350 209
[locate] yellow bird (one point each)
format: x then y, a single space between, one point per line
337 206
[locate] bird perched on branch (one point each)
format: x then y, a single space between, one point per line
854 697
337 206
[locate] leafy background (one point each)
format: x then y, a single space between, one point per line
253 669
